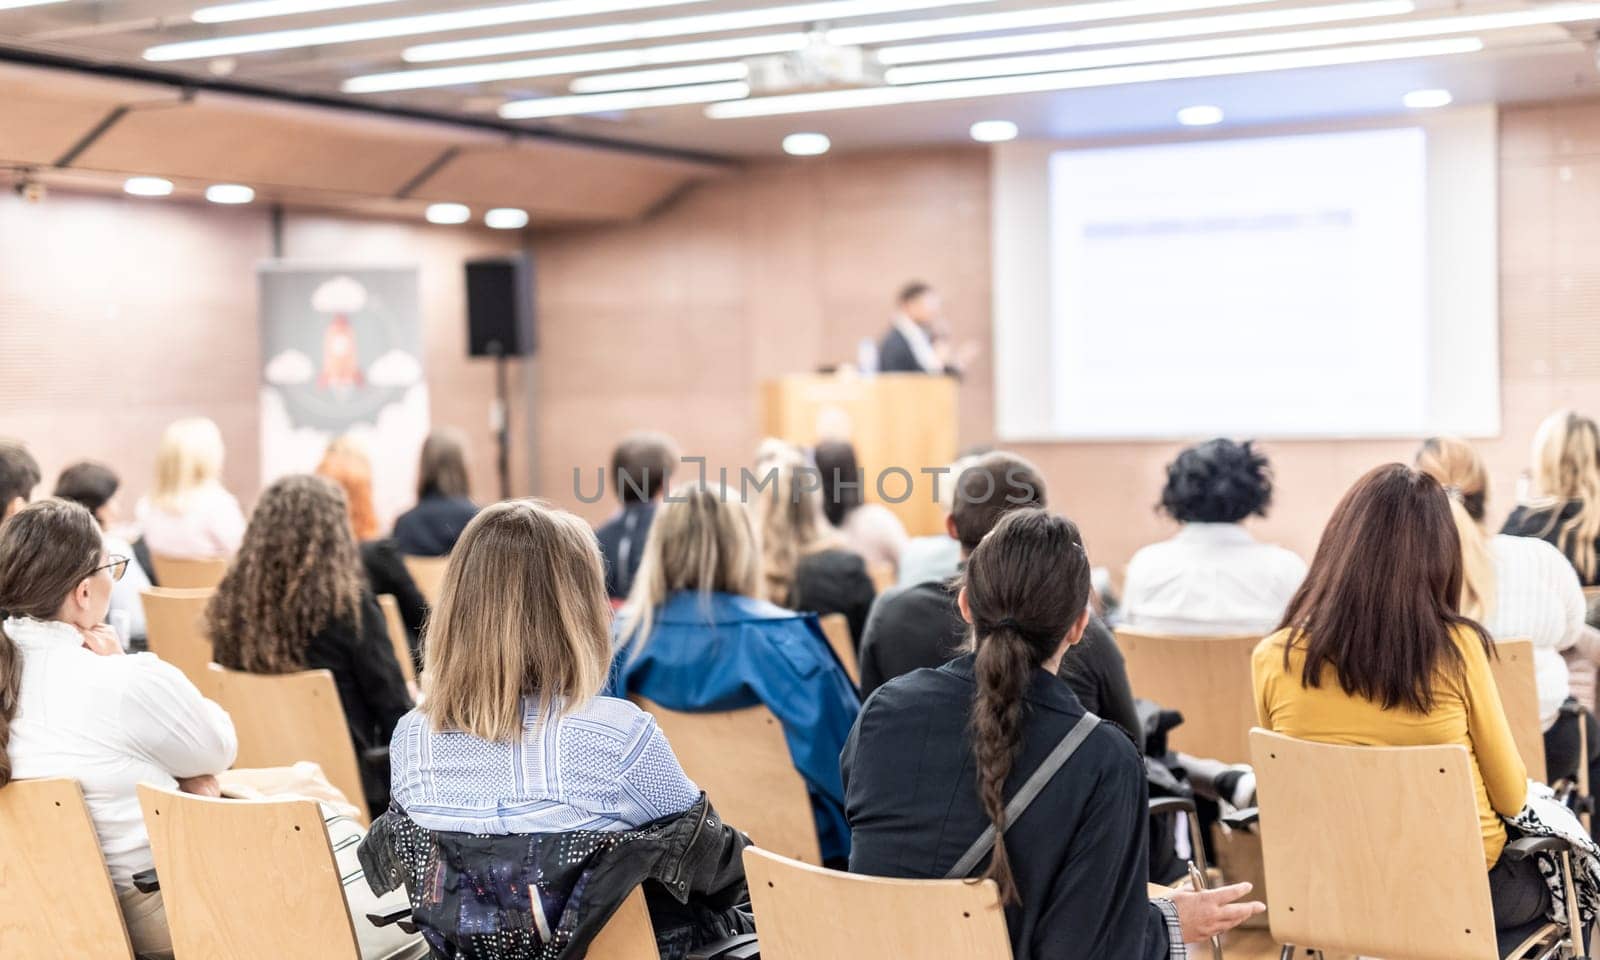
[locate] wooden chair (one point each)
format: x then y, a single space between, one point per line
1345 832
1207 679
175 628
1591 594
1512 667
282 719
629 934
805 912
399 639
428 574
178 573
883 576
836 628
56 898
742 761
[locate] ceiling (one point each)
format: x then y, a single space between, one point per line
1519 63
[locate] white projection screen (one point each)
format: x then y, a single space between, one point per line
1328 284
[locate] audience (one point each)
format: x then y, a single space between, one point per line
695 636
1519 588
936 556
294 599
190 516
804 560
930 758
443 508
641 467
1213 578
94 485
19 474
1374 651
870 529
346 463
1564 508
72 705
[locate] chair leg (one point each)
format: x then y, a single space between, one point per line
1583 767
1287 953
1197 841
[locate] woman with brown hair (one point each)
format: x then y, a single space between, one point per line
937 754
295 599
1374 651
443 508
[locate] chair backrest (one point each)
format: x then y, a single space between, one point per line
247 879
178 573
883 576
805 912
428 574
1591 594
836 627
398 638
284 718
1512 667
742 761
1205 678
1345 834
629 934
175 628
56 898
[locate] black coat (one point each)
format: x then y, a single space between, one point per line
386 573
431 528
835 581
1078 853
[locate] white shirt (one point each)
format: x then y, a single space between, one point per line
1212 579
111 723
1537 597
921 346
211 525
126 594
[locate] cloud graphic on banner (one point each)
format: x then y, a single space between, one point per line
289 368
394 369
339 295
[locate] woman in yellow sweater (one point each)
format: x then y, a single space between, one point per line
1374 652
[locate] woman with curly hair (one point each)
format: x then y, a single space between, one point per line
295 599
1213 578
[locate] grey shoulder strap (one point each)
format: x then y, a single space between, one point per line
1030 791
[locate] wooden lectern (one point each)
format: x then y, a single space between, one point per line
897 422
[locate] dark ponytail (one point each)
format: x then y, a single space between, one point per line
1027 583
46 550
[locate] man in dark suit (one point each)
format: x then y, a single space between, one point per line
914 344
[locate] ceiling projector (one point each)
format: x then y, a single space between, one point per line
819 66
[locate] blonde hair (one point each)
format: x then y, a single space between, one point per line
1566 469
790 517
701 539
189 459
1460 470
522 613
346 463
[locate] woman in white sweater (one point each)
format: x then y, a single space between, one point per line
1519 588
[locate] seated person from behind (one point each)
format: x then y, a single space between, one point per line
1373 652
641 467
1564 507
695 637
19 474
937 754
1213 578
190 516
870 529
443 508
95 486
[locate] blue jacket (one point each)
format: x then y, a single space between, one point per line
742 652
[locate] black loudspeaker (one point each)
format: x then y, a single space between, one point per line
500 307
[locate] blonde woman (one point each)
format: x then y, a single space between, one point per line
696 636
806 563
1517 588
1565 505
190 516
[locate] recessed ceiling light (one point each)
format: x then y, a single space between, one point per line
580 104
506 218
230 193
993 131
147 186
15 4
261 9
1204 115
448 213
1427 99
806 144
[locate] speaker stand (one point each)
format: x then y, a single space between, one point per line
501 421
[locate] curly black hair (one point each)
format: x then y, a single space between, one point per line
1219 481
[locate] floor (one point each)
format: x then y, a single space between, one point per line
1251 945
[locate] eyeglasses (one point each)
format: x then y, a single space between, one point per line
118 565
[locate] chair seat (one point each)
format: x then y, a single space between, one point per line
1516 942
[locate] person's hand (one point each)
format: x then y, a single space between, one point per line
204 785
101 640
1206 913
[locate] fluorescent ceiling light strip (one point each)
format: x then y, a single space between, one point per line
623 100
575 63
1080 79
672 27
395 27
1135 32
18 4
1021 19
261 9
665 77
